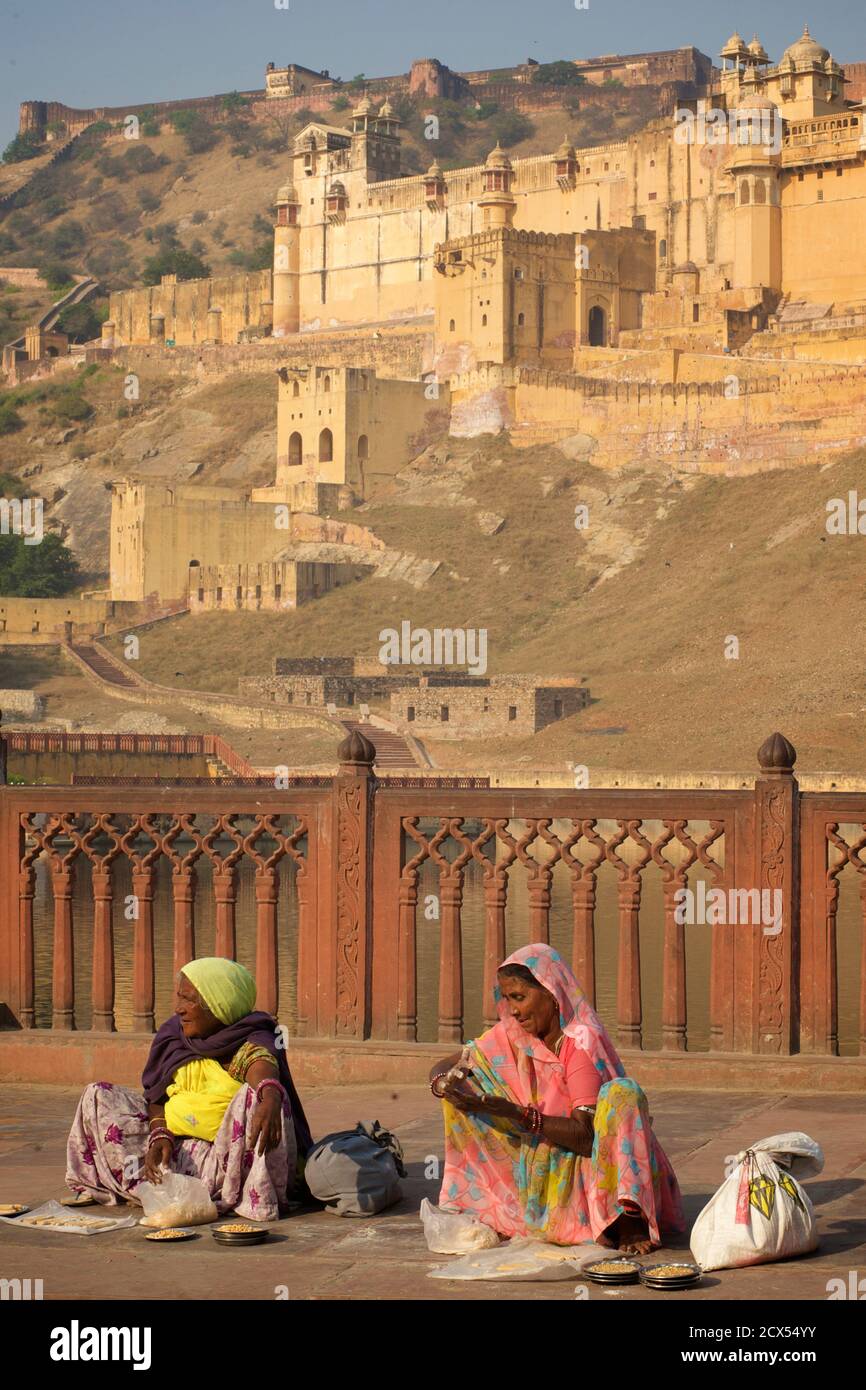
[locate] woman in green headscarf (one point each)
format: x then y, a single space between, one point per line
218 1102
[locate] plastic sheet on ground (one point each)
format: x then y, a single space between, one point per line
523 1258
51 1216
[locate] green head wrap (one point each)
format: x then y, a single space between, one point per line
226 988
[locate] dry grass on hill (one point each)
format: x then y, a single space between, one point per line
650 639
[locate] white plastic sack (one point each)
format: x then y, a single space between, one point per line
179 1200
523 1257
761 1213
454 1232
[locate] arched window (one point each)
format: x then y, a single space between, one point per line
663 250
363 447
296 389
760 191
295 449
326 384
326 447
521 320
483 320
745 195
451 326
597 327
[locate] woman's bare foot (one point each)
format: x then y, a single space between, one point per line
633 1236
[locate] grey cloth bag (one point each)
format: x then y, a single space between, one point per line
356 1172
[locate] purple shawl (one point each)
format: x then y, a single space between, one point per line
170 1050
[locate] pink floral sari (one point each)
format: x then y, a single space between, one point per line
520 1185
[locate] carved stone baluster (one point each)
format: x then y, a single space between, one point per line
63 972
267 969
673 972
628 1000
26 894
407 973
103 951
495 899
143 981
539 905
103 928
583 939
183 886
306 953
451 958
225 886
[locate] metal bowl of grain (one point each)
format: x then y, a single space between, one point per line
671 1275
612 1271
238 1233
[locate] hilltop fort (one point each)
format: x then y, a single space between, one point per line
692 296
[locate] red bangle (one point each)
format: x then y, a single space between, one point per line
438 1077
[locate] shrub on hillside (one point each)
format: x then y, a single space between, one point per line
510 127
57 276
10 420
23 147
47 570
7 244
198 217
142 159
177 262
341 103
199 135
51 207
70 406
148 202
66 239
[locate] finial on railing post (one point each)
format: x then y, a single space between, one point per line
777 756
356 754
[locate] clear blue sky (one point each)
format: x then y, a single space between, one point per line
110 52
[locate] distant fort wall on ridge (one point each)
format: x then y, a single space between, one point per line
682 71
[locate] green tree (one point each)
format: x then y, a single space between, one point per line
57 276
233 102
558 74
199 135
177 262
47 570
80 322
23 147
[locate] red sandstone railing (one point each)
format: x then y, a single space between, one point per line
362 850
183 745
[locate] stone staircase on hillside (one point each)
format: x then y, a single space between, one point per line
102 665
392 751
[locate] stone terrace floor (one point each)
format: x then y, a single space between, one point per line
320 1256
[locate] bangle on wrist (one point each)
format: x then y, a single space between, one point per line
270 1081
440 1076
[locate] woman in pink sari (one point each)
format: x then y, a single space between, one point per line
544 1133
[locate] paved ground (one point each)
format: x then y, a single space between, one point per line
319 1256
